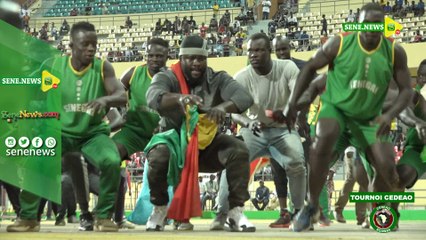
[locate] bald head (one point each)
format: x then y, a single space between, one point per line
282 48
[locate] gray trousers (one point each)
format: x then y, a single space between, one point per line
285 148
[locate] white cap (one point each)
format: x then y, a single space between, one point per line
350 149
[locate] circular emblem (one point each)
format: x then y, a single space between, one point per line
383 219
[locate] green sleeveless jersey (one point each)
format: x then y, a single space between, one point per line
140 118
77 89
412 135
358 80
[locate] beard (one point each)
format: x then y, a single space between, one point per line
191 80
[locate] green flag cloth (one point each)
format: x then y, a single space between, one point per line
30 138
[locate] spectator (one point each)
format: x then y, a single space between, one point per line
272 29
24 10
236 26
250 15
215 9
65 28
186 28
128 23
241 34
224 22
226 46
357 15
203 30
413 7
213 24
158 26
192 23
111 55
304 37
262 196
239 40
61 47
351 17
26 21
399 6
282 21
324 25
34 33
53 31
88 10
227 15
382 3
118 56
387 8
242 17
210 191
418 37
201 187
167 26
292 21
266 8
103 8
177 26
420 8
128 55
323 39
43 33
74 12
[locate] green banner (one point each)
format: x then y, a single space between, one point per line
30 137
381 197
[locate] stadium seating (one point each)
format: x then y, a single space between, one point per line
64 7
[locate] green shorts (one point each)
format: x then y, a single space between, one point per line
132 141
411 157
361 133
98 149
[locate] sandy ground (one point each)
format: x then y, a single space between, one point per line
408 230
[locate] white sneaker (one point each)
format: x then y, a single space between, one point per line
218 222
238 222
185 227
157 219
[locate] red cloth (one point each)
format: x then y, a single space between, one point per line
186 200
257 164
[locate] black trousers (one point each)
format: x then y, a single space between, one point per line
225 152
13 195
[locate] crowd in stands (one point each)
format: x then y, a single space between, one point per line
285 19
401 8
225 34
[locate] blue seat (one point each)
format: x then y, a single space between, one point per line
124 10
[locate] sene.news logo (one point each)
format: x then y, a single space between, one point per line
36 147
47 81
389 27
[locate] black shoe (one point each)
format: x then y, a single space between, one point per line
305 218
72 219
60 221
86 222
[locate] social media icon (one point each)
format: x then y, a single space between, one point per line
10 142
37 142
50 142
24 142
